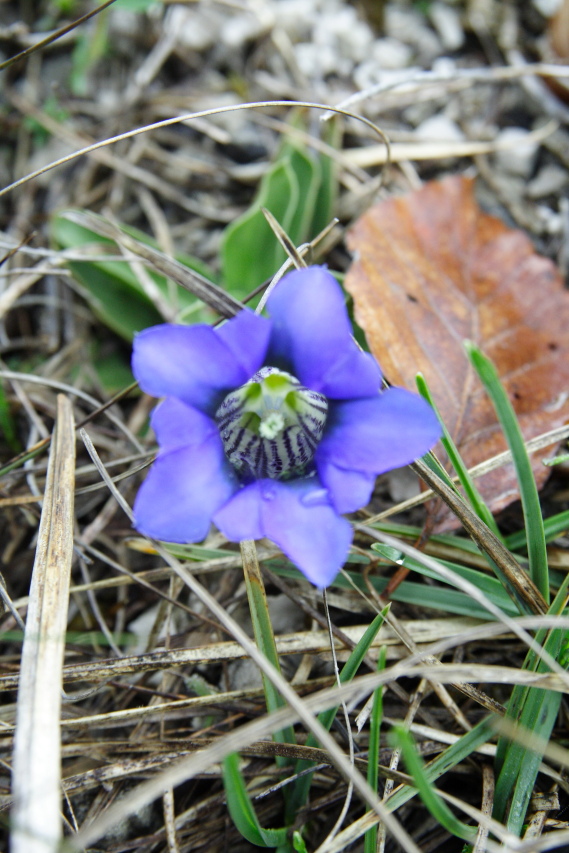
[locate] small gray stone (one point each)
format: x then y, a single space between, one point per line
548 181
446 21
439 128
519 152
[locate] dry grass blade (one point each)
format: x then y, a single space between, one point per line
375 155
37 771
55 35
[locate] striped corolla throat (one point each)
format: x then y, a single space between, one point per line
271 426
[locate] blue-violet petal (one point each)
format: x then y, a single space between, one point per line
182 491
348 490
313 336
379 433
247 336
296 516
177 425
194 363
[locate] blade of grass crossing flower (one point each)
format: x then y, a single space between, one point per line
533 519
535 711
242 811
350 668
370 840
437 807
472 493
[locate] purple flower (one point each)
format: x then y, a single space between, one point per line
272 427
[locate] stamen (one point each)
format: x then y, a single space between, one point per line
271 426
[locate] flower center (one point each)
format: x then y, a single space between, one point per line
271 426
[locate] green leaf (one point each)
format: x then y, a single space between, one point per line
113 291
431 798
436 597
325 206
308 174
553 527
242 811
453 755
113 372
370 840
298 843
250 252
491 587
535 710
533 518
7 423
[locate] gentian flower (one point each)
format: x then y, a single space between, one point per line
272 427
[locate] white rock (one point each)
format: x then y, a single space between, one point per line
243 675
518 155
286 616
242 28
439 128
319 60
552 221
409 26
547 7
549 181
296 17
196 28
143 625
446 21
391 53
345 32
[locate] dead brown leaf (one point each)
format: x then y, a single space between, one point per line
431 270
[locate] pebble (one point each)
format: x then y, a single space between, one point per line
548 181
518 157
446 21
547 8
439 128
410 27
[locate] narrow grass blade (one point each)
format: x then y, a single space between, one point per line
242 811
36 818
437 807
553 526
466 481
448 759
298 843
435 597
350 668
490 586
370 840
535 711
533 519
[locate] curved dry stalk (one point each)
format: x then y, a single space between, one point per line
129 134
